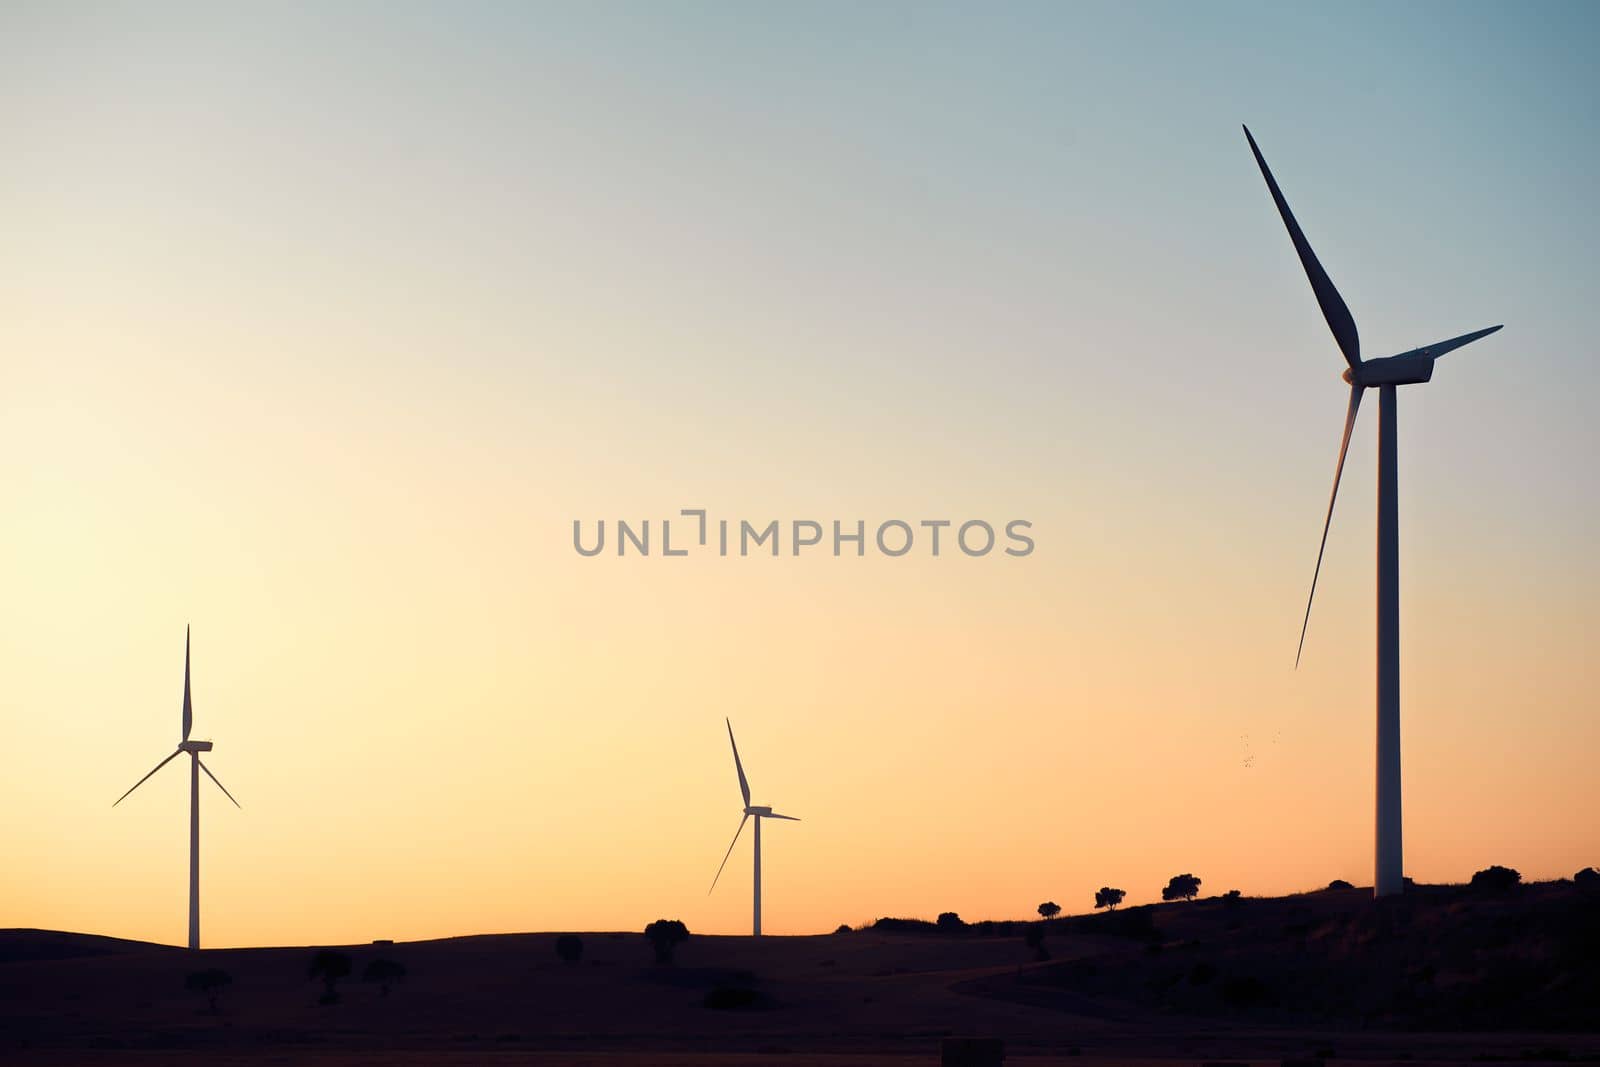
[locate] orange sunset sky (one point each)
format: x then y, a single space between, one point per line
319 329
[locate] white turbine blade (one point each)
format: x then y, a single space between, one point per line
146 778
1333 306
744 786
775 815
743 819
220 786
1344 446
188 709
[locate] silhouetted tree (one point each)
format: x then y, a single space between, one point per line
1588 878
949 920
665 935
844 928
328 966
1496 879
1106 897
1181 887
1340 883
569 947
1049 909
208 983
384 972
1231 898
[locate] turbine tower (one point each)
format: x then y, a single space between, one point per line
1407 368
749 810
193 748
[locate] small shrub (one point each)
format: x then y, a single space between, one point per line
209 983
1340 883
1033 937
328 966
1588 878
569 948
1049 909
385 973
844 928
665 935
1496 879
949 920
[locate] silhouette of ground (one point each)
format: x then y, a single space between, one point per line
1259 981
1445 958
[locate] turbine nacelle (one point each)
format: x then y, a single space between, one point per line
1408 368
758 810
195 746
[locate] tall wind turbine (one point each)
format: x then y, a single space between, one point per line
1407 368
193 748
749 810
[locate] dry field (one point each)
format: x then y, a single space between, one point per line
864 997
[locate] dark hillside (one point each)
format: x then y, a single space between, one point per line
1439 958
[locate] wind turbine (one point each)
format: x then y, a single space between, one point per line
1407 368
193 748
749 810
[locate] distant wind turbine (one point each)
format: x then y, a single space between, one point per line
194 748
749 810
1384 374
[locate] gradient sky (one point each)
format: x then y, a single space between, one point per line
319 328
